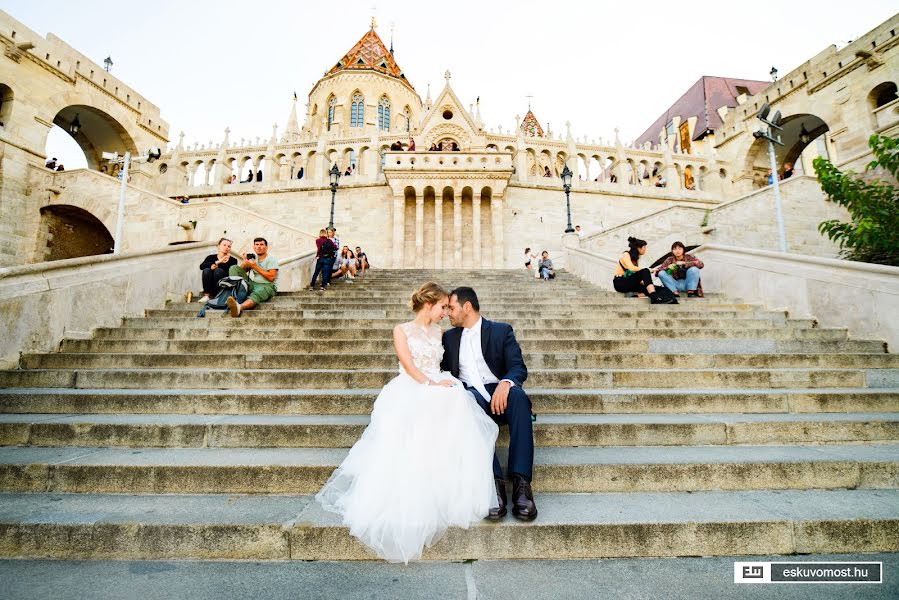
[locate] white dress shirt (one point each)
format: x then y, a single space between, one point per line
473 369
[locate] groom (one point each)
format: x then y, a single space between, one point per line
485 356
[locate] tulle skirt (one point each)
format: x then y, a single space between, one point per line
424 464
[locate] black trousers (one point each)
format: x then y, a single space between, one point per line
323 266
637 282
211 278
521 430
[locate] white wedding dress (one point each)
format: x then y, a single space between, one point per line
422 465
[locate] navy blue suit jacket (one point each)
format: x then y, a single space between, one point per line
499 346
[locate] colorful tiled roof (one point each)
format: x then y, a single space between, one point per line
703 100
531 126
370 54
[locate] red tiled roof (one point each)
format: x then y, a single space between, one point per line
370 54
531 126
703 100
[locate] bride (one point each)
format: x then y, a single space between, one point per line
424 462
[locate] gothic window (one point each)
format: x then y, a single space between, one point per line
357 111
408 114
332 103
384 114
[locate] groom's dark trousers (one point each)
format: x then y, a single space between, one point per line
521 434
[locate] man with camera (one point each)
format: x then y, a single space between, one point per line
262 279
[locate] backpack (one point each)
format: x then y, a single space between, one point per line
231 286
328 250
663 296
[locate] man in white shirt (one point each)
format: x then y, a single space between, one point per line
486 357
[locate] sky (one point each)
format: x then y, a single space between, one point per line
600 65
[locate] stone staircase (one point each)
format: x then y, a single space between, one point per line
713 427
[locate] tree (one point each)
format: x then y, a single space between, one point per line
872 235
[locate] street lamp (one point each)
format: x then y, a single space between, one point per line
773 73
75 125
768 134
804 135
335 178
566 183
108 63
152 155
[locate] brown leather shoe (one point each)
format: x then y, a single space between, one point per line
523 506
499 512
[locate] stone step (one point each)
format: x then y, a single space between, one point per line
237 329
401 314
213 346
258 527
359 401
539 304
580 470
344 379
342 431
384 360
338 320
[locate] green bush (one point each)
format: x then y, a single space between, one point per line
872 235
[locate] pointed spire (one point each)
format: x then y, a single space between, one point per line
531 126
226 141
391 38
292 131
428 98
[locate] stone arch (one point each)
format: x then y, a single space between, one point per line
69 231
98 132
882 94
7 97
689 179
198 173
361 158
757 162
583 167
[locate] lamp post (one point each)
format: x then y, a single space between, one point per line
335 178
125 161
566 183
768 134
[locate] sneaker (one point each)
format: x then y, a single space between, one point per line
311 288
203 300
233 306
321 289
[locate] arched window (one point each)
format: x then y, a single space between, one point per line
384 114
357 111
6 98
407 112
332 103
883 94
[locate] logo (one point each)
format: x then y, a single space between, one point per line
753 572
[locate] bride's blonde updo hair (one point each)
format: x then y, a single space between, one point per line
429 293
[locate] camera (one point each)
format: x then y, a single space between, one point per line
251 256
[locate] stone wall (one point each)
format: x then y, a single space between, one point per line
838 293
41 304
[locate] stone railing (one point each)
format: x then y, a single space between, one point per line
838 293
447 161
40 304
589 266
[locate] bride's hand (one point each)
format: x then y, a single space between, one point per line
446 383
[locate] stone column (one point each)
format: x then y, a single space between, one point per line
496 218
419 231
476 228
399 230
457 231
438 230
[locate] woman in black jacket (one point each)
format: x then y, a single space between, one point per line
215 268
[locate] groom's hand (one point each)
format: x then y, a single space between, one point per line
500 398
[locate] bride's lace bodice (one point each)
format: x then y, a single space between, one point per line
425 345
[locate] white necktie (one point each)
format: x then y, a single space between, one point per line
473 373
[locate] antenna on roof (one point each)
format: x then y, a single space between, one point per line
392 25
529 101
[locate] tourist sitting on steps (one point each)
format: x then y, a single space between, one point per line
545 267
215 268
261 272
346 264
680 272
629 277
361 261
